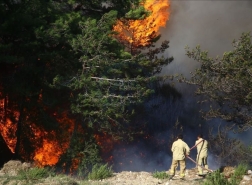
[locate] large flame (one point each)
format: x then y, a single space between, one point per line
137 33
53 145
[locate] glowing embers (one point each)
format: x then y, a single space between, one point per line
8 124
138 33
107 143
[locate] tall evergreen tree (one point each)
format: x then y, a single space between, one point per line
32 53
56 56
111 81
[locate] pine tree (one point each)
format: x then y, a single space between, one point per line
62 59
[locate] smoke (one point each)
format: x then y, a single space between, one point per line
211 24
153 152
140 156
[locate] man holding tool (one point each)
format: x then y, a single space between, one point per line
180 150
202 147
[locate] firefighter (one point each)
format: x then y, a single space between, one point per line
202 146
180 150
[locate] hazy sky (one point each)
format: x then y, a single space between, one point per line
210 23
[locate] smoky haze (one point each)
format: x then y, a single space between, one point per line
211 24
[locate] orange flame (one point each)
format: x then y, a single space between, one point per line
137 33
8 124
53 147
48 154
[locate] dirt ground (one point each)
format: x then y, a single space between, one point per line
146 178
11 168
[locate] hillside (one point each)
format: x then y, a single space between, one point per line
9 176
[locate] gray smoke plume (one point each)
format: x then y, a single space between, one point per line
209 23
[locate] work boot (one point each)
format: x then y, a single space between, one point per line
171 173
171 176
182 177
206 169
200 172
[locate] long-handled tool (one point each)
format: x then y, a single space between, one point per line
198 164
196 144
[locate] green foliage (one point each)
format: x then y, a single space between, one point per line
222 145
240 170
35 174
100 172
226 81
62 55
90 156
84 149
160 175
138 13
216 178
41 179
111 83
32 49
